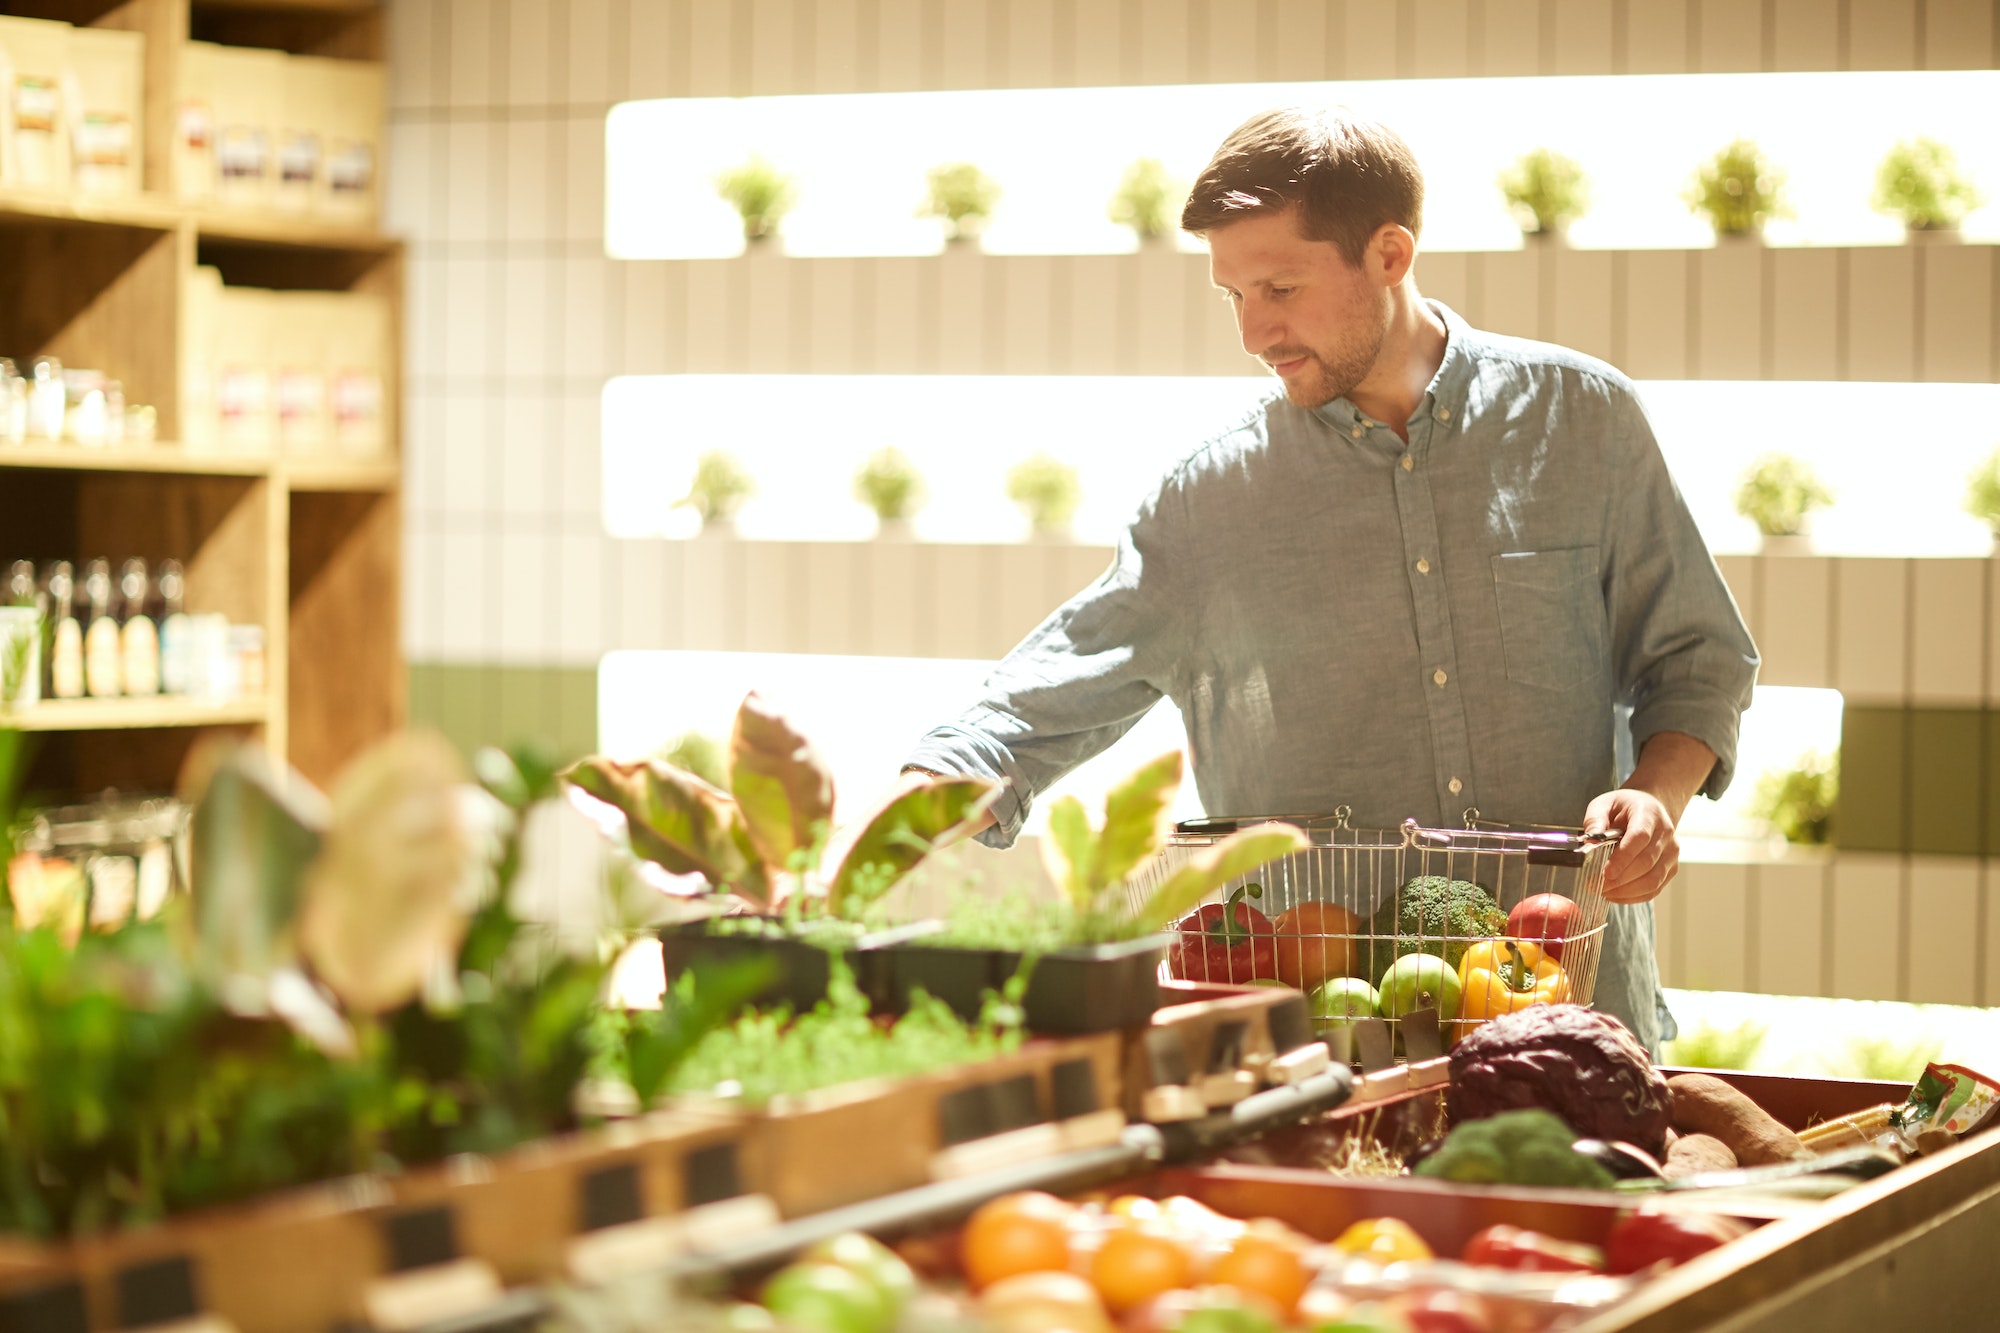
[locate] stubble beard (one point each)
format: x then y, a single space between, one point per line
1338 371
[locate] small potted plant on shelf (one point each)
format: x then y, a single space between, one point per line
890 484
760 194
962 197
1738 190
1779 494
1545 191
1148 201
1799 802
719 488
1048 492
1982 495
1920 183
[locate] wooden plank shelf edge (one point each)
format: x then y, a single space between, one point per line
134 714
135 458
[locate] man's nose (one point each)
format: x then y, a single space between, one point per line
1260 332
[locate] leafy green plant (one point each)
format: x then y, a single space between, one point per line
1147 200
1982 493
18 638
1706 1046
889 484
702 755
1799 802
1047 490
1545 191
719 488
1892 1059
1777 494
760 194
962 196
762 839
770 1053
1738 189
1919 181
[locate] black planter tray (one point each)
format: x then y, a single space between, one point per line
1084 988
802 968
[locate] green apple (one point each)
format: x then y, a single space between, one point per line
1419 981
873 1262
826 1298
1337 1003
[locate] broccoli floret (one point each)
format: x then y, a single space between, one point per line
1532 1147
1432 906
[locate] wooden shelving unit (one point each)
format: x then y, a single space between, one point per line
308 547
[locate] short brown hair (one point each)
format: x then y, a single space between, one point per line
1347 174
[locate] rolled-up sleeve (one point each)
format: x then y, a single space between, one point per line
1683 659
1077 683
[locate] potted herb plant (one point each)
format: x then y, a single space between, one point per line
1545 191
1982 495
719 488
1047 491
1148 201
962 197
1920 183
890 484
1738 190
1779 494
760 194
1094 951
1799 802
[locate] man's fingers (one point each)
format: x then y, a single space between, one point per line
1648 886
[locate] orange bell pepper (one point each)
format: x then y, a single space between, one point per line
1503 976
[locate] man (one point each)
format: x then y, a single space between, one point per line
1420 579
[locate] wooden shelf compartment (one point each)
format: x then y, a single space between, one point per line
144 212
342 474
342 29
346 683
136 714
167 457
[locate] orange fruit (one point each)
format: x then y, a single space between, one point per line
1264 1264
1308 948
1135 1264
1016 1233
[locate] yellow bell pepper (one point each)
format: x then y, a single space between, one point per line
1498 977
1386 1240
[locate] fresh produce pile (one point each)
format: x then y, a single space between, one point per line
1440 944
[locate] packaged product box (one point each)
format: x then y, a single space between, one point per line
354 102
303 322
358 356
301 135
201 317
103 95
34 140
245 422
248 90
194 125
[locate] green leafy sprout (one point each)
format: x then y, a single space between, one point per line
1982 493
1545 191
1047 490
962 196
1147 200
760 194
889 484
1777 494
719 488
1706 1046
1799 801
1738 189
1919 181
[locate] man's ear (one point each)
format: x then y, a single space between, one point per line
1391 252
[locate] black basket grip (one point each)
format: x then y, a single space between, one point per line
609 1197
420 1237
1555 856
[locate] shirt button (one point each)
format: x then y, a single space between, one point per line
1357 431
1444 414
1408 463
1438 675
1423 566
1456 786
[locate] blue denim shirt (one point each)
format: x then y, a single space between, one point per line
1406 630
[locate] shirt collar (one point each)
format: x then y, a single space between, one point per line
1447 388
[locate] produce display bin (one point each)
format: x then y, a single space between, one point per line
801 969
1085 988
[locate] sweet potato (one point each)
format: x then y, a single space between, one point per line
1692 1154
1705 1105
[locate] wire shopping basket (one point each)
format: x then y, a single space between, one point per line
1356 901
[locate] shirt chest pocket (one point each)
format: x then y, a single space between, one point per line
1551 615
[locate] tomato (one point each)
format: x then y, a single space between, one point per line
1386 1240
1315 943
1043 1303
1016 1233
825 1298
1268 1265
1135 1264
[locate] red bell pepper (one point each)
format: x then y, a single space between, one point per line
1526 1251
1228 942
1649 1237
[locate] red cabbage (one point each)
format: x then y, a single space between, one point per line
1585 1066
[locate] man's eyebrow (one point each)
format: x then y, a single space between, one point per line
1281 279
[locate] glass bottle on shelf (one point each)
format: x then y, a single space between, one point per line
66 639
84 411
176 668
13 403
102 643
140 637
47 399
